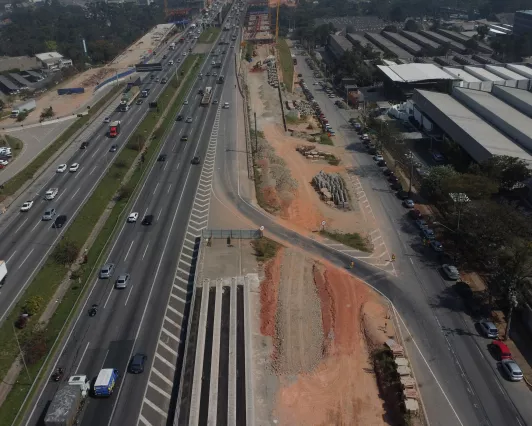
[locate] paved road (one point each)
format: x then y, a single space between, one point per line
26 240
126 319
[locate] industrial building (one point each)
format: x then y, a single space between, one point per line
20 81
358 38
523 22
438 38
408 45
338 45
21 63
388 46
509 76
521 69
460 38
7 86
53 61
428 44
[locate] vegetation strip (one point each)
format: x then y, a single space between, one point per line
46 282
352 240
287 64
26 174
209 35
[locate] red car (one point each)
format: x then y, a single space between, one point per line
500 350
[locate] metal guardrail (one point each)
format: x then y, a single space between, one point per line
243 234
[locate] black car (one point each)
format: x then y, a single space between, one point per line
179 118
215 102
60 221
184 138
387 172
393 179
113 148
381 163
148 219
136 365
165 56
139 101
84 145
397 186
402 195
162 157
196 160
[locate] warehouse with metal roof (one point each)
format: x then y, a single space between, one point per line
414 48
509 75
478 138
338 45
484 74
518 98
358 38
419 39
438 38
414 72
7 86
521 69
388 46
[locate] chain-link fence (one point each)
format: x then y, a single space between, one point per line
244 234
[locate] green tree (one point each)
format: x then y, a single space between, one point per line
51 45
33 305
411 25
505 170
65 252
471 44
47 113
482 31
477 187
433 184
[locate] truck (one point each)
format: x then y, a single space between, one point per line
114 129
67 402
3 272
227 27
27 106
206 99
105 382
128 98
172 46
217 65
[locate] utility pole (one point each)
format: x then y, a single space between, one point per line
256 135
513 304
411 155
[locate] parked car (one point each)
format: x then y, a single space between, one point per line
428 233
415 214
488 329
408 203
436 246
499 350
511 370
378 157
451 272
402 195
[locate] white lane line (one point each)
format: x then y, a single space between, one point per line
9 258
129 294
75 193
128 250
77 173
168 348
175 146
159 215
162 377
156 186
21 225
158 389
155 408
165 164
145 250
144 420
169 186
26 258
164 360
108 297
94 168
104 358
82 356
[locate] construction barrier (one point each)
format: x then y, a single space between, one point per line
70 91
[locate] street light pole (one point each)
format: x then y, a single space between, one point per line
513 304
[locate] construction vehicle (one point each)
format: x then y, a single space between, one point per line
128 98
114 129
67 403
207 95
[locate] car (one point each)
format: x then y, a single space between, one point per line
184 138
170 62
488 329
420 223
107 120
185 103
215 74
499 350
165 56
381 163
26 206
511 370
161 157
84 145
107 270
378 157
51 193
61 168
74 167
152 77
133 216
113 148
139 101
397 186
59 221
388 172
179 118
428 233
402 195
215 102
451 272
208 74
48 214
393 179
438 156
226 105
164 81
184 53
148 220
188 120
365 137
415 214
122 281
408 203
436 246
136 365
196 160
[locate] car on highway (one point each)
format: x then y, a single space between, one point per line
139 101
226 105
157 79
132 217
74 167
428 233
48 214
122 281
436 246
59 221
488 329
184 138
208 74
26 206
499 350
171 62
512 371
61 168
136 365
196 160
107 120
378 157
164 81
185 103
184 53
215 101
113 148
161 157
179 118
148 220
107 270
451 272
409 204
188 120
84 145
51 193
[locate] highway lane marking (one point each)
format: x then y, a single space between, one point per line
37 224
155 408
175 146
144 420
145 250
77 174
170 334
93 170
165 164
168 348
82 356
175 324
104 358
159 390
128 250
21 225
162 376
108 297
159 215
169 186
129 294
75 193
26 258
156 186
9 258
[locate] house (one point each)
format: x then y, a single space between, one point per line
53 61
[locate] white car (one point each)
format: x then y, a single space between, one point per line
185 103
4 162
132 217
378 157
107 120
226 105
74 167
184 53
61 168
51 193
26 206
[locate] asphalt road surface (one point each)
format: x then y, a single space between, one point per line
126 318
27 240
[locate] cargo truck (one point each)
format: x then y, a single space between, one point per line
3 272
128 98
172 46
105 382
27 106
206 99
114 129
67 403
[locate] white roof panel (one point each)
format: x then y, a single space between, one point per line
103 377
461 74
521 69
505 73
483 74
407 73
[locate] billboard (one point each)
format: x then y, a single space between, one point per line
157 66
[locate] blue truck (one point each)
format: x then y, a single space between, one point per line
106 382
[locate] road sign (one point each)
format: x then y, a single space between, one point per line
149 67
262 228
323 223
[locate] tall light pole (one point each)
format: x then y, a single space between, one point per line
513 304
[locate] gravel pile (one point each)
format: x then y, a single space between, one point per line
273 79
304 107
332 188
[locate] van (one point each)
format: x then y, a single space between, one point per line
171 62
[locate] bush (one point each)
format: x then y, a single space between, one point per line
124 193
65 253
35 348
265 248
33 305
22 116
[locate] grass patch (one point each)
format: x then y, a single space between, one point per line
325 139
209 35
15 144
354 240
265 249
292 119
17 181
248 51
287 64
49 277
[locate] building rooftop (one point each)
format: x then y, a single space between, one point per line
352 37
418 38
520 95
344 43
442 40
399 39
483 74
479 130
8 83
409 73
48 56
461 74
521 69
384 43
505 72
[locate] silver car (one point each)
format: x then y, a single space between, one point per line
107 270
122 281
512 370
489 329
48 214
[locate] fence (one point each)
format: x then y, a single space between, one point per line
242 234
115 78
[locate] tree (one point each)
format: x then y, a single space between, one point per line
411 25
47 113
51 45
66 252
505 170
483 31
22 115
432 185
33 305
477 187
471 44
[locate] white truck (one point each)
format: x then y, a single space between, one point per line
172 46
67 403
207 94
3 272
25 106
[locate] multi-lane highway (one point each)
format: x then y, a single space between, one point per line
127 319
27 240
